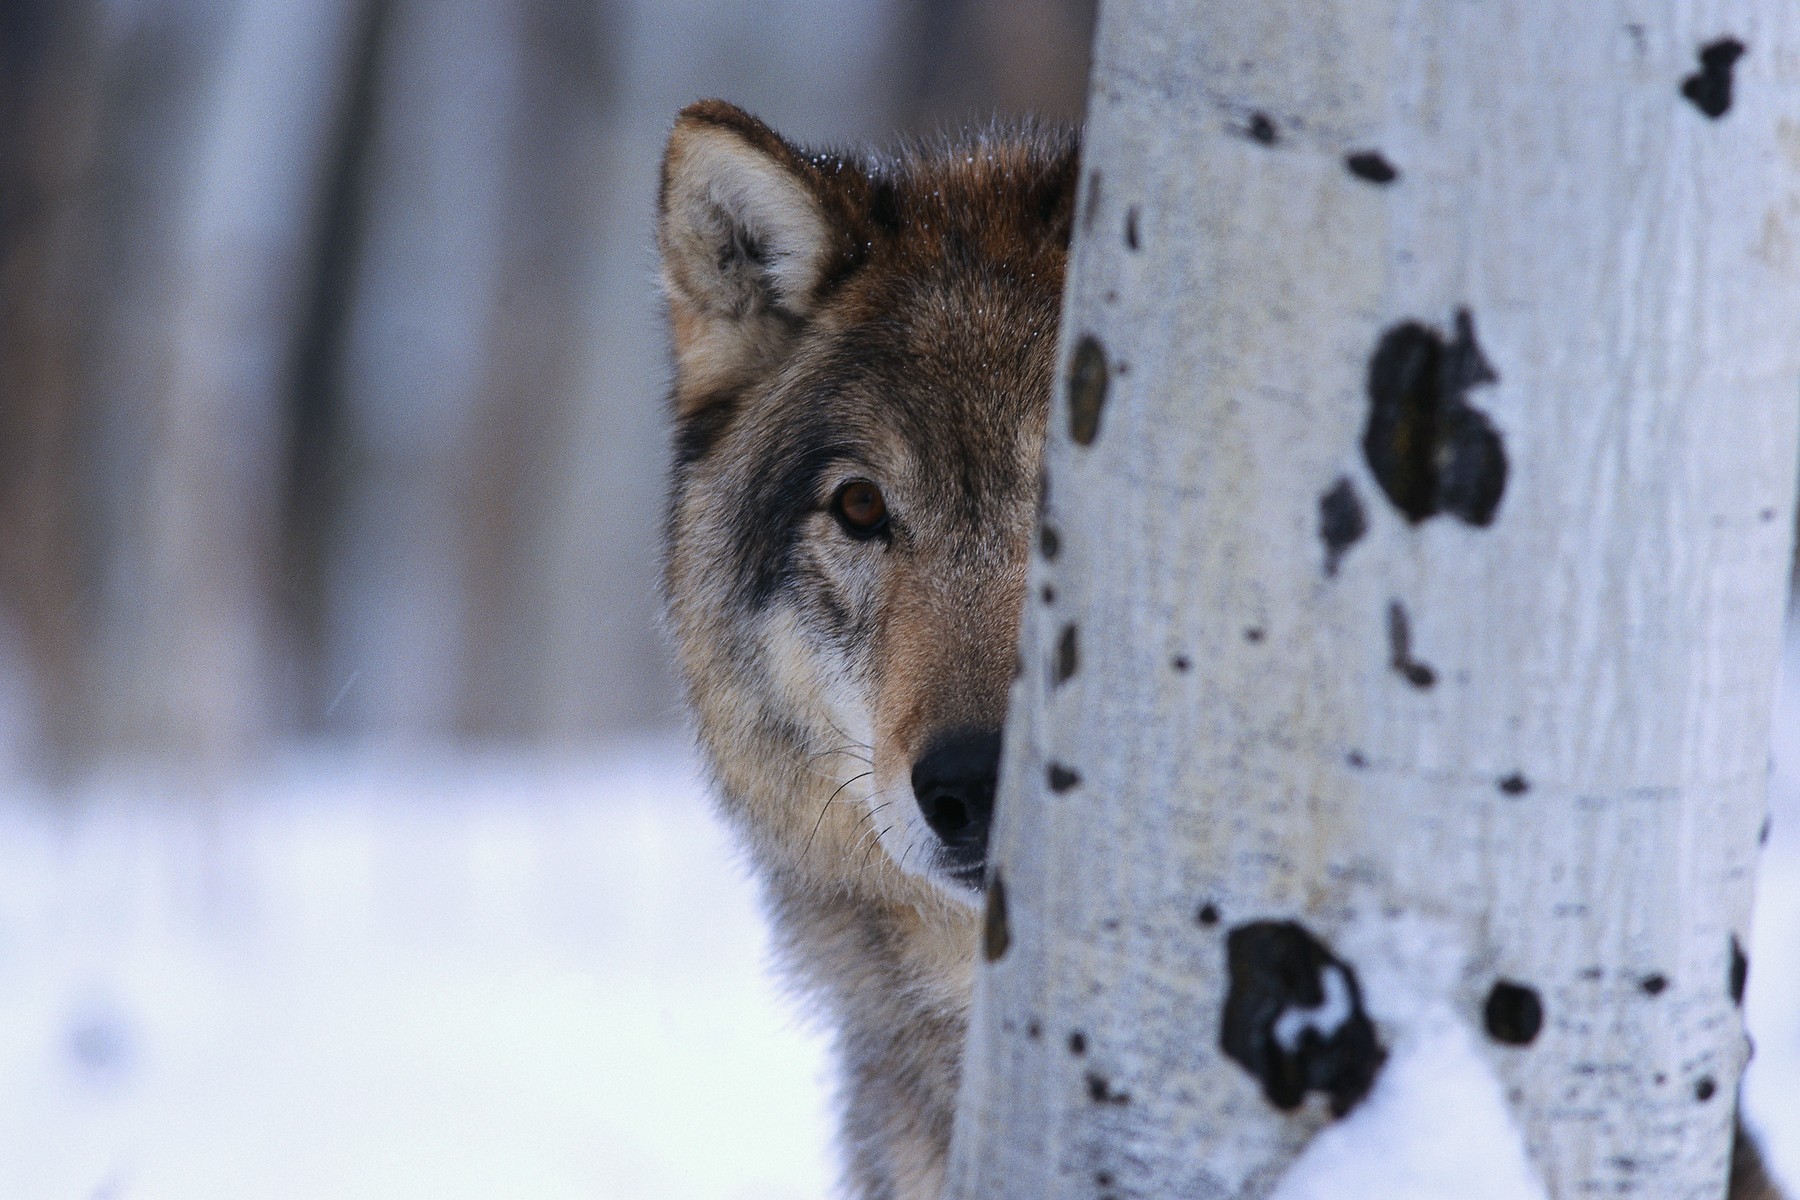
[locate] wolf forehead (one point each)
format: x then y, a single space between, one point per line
833 311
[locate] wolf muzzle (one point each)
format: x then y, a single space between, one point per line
954 784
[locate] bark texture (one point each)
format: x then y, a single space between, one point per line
1420 497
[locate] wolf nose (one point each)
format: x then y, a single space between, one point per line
954 783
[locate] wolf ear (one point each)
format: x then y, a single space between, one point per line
745 241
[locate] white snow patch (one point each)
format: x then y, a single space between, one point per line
1772 1000
1435 1127
440 978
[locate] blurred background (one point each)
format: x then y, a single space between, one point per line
333 366
348 845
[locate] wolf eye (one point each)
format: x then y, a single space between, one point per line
860 509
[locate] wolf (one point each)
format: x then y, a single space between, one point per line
863 362
863 357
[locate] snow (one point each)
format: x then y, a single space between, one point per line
1772 999
1435 1126
432 978
456 975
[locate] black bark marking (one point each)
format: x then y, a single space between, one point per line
1208 914
995 937
1034 1030
1093 202
1514 1015
1077 1043
1261 129
1429 449
1400 641
1049 544
1180 663
1100 1091
1654 985
1710 87
1049 594
1514 784
1275 968
1087 390
1131 228
1739 974
1762 835
1355 759
1061 778
1067 657
1372 166
1341 521
1704 1090
1253 634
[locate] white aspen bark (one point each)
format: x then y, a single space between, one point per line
1420 489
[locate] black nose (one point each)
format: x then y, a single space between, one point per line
954 782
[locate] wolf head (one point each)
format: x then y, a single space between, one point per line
863 357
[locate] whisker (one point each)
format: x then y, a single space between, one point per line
872 847
870 818
807 849
845 750
837 729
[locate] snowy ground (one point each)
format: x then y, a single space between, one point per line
469 977
383 979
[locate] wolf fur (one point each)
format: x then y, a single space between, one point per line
842 317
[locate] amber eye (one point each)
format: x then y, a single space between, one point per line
860 509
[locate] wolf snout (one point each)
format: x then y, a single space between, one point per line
954 783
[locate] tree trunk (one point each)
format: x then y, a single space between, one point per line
1420 495
196 651
49 147
418 340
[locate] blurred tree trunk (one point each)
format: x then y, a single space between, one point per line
534 385
198 654
971 59
415 361
48 131
313 469
1420 500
